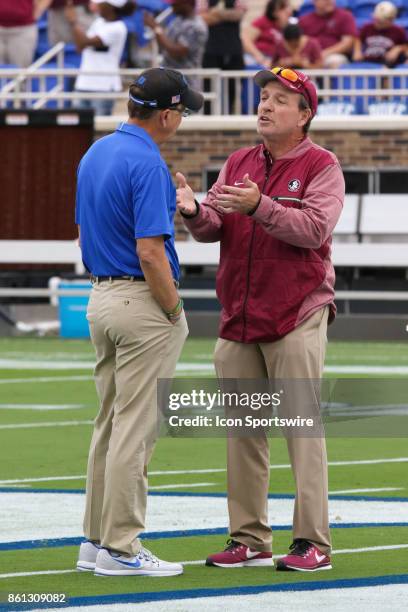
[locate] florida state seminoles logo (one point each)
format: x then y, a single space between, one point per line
294 185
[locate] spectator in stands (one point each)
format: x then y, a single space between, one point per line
262 37
18 31
58 28
224 47
183 41
334 28
381 40
298 50
102 46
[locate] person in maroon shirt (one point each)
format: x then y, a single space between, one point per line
334 28
261 38
381 40
18 31
298 50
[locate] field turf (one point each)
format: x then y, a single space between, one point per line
46 449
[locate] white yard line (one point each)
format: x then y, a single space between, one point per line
175 472
345 491
343 551
33 364
371 461
285 466
37 364
190 485
222 470
182 485
42 407
43 379
42 573
45 424
365 369
44 479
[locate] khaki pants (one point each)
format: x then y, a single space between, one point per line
135 345
298 355
17 45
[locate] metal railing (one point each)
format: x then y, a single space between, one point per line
37 86
15 89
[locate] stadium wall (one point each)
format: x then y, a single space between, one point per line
203 142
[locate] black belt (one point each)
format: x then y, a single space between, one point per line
100 279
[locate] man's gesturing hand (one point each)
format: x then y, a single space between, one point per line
243 199
185 196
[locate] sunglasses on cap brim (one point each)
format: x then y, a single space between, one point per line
294 79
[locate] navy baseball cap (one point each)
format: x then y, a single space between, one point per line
163 88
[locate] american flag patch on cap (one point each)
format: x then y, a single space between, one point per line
176 99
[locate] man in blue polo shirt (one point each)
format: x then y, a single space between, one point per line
126 202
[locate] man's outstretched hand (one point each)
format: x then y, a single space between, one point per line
185 196
243 198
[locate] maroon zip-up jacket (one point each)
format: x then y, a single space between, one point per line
275 269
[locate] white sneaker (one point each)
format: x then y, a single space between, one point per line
88 552
144 563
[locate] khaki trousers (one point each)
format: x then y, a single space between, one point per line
135 345
298 355
17 45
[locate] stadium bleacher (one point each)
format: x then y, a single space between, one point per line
341 104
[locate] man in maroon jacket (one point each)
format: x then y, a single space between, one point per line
273 208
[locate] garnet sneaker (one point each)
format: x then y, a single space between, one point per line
239 555
304 557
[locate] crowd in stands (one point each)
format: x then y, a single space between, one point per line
326 36
206 33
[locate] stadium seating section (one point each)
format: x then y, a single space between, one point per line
335 105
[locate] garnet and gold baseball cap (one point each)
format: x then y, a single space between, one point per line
161 88
294 80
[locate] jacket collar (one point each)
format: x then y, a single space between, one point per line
297 151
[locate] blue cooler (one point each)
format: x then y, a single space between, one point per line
72 310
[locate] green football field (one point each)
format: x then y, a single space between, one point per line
47 403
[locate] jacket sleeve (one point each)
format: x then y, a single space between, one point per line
312 224
206 226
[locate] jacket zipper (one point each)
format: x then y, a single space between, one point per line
268 169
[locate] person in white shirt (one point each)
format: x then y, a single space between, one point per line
102 47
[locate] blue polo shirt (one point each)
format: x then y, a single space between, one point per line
124 192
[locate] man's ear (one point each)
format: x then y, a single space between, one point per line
163 117
305 116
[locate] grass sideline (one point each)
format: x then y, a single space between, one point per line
62 451
364 564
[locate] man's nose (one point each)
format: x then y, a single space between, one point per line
266 106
